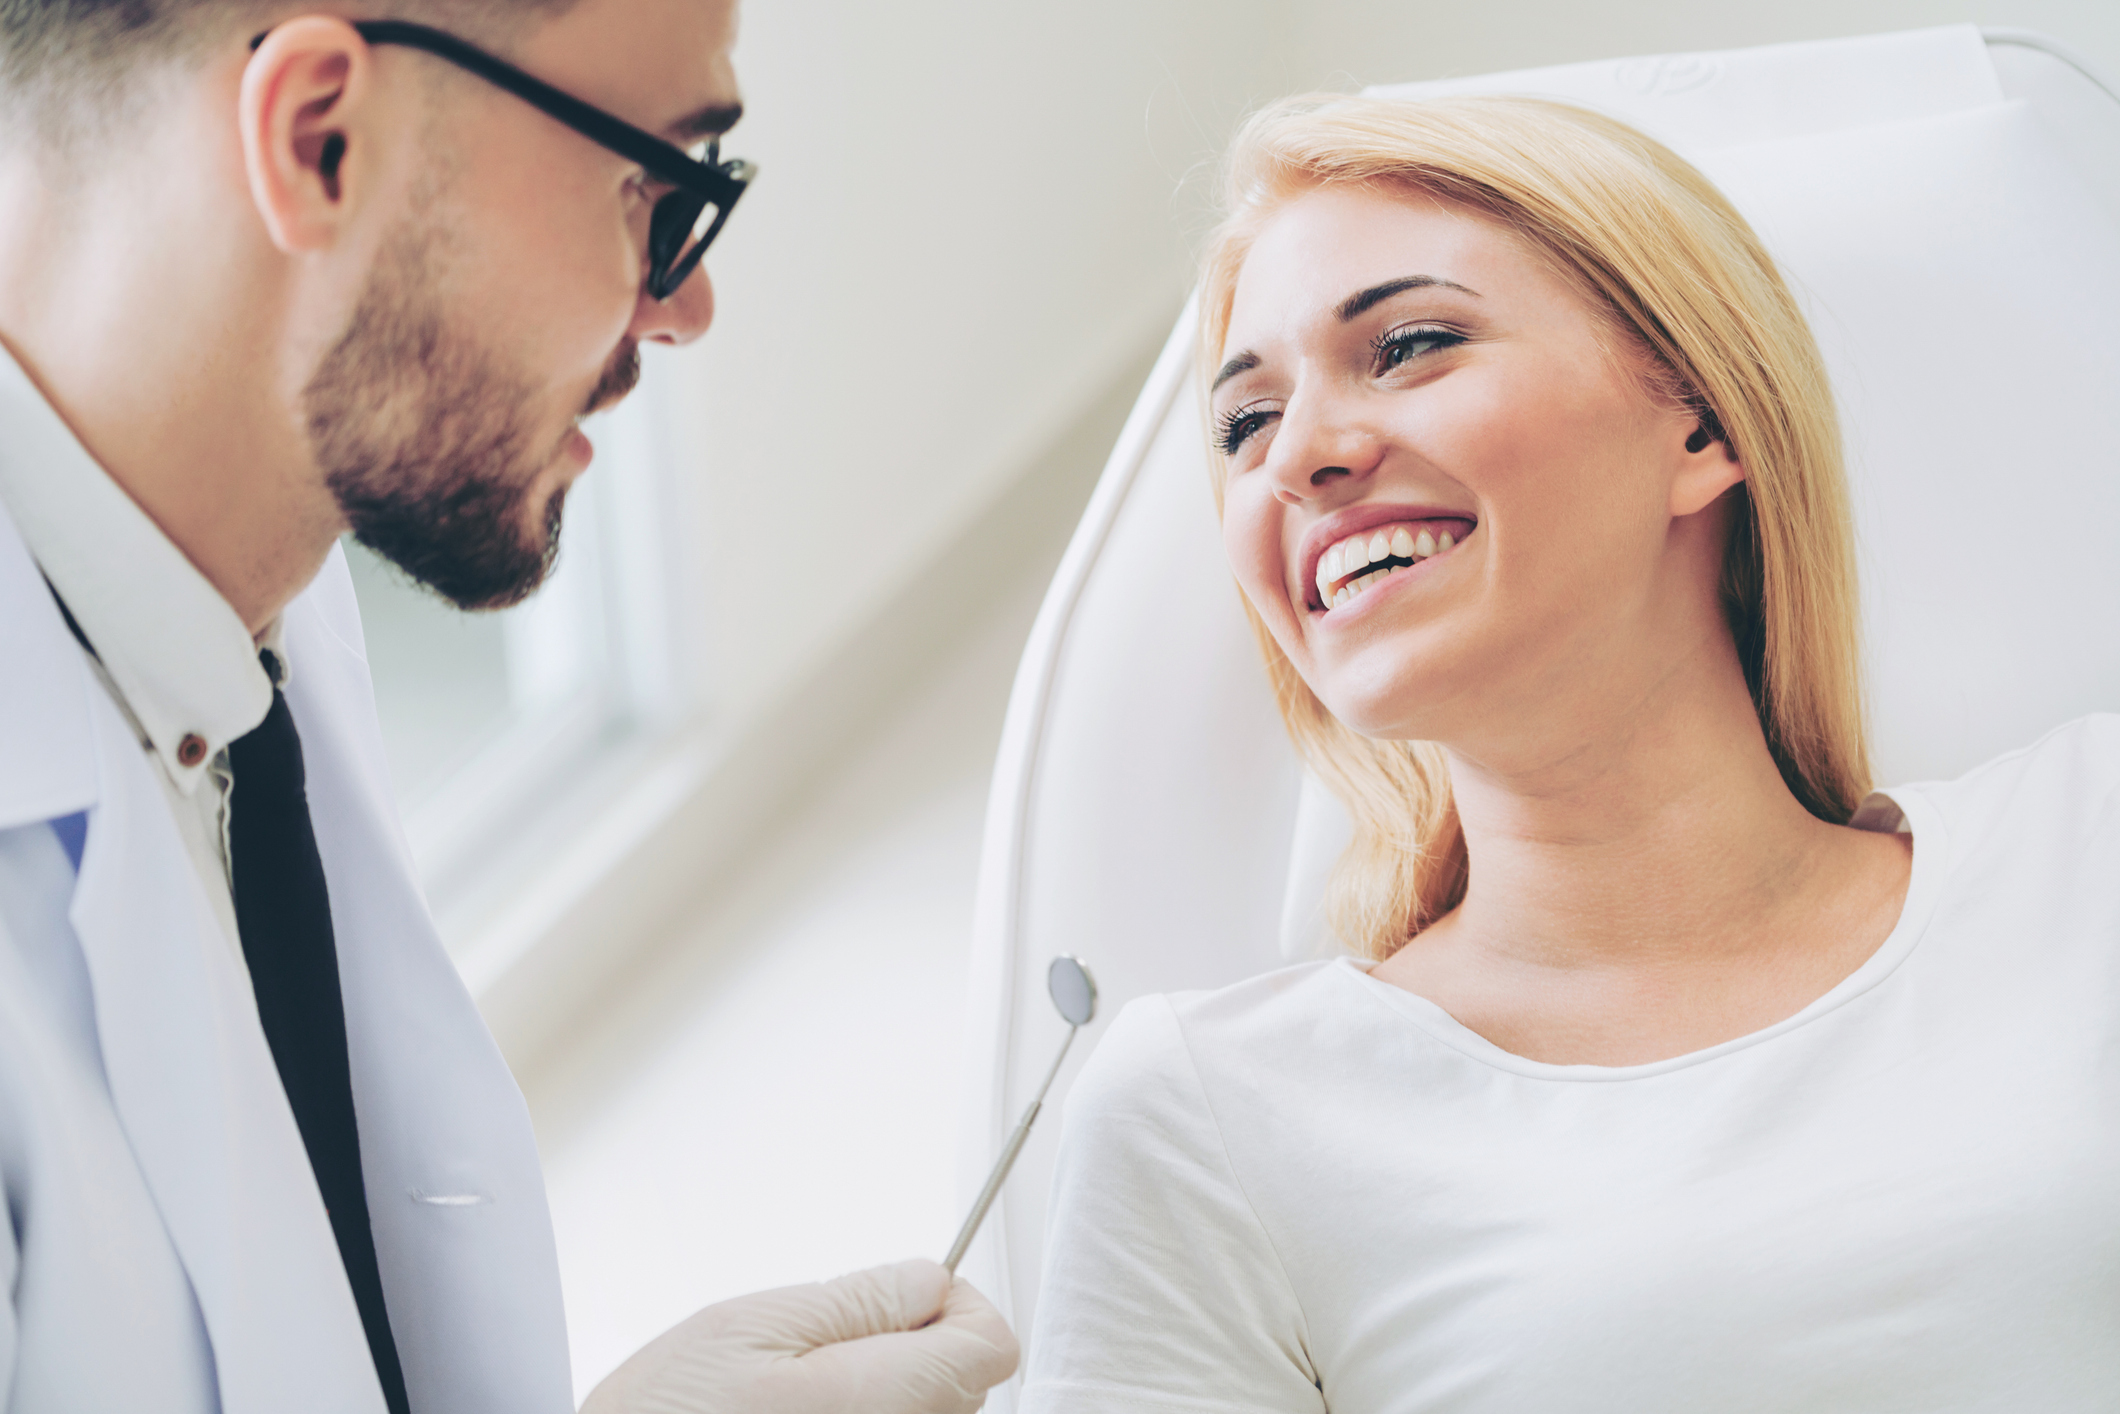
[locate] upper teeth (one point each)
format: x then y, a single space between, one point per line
1392 548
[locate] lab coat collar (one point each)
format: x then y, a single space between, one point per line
47 748
183 661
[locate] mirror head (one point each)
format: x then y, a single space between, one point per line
1073 990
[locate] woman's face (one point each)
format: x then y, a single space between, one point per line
1450 493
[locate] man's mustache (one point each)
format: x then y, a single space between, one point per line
618 380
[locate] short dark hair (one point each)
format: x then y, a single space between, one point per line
65 64
48 47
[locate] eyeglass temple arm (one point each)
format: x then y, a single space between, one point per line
665 160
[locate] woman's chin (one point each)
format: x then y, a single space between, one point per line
1393 712
1393 690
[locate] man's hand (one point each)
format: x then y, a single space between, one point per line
903 1339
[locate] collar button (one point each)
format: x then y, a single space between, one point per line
192 750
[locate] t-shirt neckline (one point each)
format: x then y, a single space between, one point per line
1924 886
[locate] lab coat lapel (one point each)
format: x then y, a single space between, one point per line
47 748
189 1072
196 1089
456 1196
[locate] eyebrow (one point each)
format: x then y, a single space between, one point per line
1243 363
1353 307
710 121
1358 304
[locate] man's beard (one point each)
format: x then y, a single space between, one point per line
426 439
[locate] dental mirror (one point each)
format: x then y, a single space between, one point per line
1074 993
1073 990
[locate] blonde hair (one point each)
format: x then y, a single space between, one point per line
1651 243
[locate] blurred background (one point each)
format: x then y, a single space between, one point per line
701 821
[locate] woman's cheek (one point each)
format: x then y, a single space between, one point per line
1252 540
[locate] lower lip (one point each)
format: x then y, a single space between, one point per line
1392 581
579 447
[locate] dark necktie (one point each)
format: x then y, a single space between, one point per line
283 913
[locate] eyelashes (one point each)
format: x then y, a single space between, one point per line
1393 349
1232 428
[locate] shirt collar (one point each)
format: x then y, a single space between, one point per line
176 651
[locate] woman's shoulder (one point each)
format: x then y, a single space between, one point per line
2074 767
2022 816
1167 1049
1161 1132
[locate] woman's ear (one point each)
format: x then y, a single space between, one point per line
306 137
1705 469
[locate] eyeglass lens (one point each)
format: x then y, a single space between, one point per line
683 225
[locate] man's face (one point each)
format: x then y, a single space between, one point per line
507 302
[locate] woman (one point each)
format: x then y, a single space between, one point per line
1679 1075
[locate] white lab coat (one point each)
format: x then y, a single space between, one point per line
167 1250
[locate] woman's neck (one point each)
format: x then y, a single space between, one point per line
1646 885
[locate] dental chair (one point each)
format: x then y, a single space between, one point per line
1946 205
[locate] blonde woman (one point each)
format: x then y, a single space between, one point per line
1680 1072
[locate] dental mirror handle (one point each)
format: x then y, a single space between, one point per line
994 1181
1006 1162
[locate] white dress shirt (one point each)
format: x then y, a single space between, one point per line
173 654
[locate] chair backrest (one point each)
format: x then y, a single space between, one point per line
1946 204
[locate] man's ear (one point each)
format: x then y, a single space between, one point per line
306 142
1705 468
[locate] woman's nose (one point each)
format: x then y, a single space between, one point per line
1317 450
681 318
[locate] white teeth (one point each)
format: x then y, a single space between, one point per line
1345 563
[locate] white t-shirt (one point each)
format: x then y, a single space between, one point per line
1314 1190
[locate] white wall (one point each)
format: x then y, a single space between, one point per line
1339 43
965 222
971 211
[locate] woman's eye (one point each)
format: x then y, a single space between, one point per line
1235 427
1399 347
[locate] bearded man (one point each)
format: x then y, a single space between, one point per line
269 274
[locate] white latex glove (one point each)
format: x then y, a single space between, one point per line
903 1339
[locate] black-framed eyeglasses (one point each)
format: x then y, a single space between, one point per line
685 221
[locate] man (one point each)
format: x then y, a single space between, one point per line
268 274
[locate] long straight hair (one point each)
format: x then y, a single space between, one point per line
1650 243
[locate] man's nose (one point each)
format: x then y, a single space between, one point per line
681 318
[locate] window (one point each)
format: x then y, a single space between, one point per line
487 717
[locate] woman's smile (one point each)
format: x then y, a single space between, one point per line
1359 560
